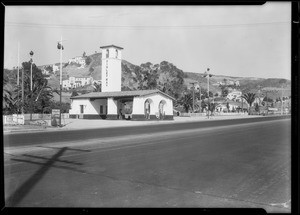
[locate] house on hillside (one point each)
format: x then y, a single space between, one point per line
231 106
234 95
78 81
79 60
112 103
55 68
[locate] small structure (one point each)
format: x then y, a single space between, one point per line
135 105
112 103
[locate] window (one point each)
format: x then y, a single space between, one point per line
101 109
116 53
107 53
81 108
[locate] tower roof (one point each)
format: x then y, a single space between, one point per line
117 47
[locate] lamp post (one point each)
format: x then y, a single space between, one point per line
199 95
281 100
60 47
208 75
31 61
18 78
22 90
193 83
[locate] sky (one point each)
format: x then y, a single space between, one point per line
239 41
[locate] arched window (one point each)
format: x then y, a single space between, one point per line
147 108
161 108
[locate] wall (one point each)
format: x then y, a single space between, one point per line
138 105
90 107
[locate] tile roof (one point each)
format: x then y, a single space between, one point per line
118 94
118 47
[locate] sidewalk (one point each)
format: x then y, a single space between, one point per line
74 124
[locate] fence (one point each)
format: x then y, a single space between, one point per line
21 119
215 113
14 119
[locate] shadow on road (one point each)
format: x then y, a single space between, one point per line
15 198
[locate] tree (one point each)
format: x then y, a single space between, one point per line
212 107
7 97
88 60
41 94
74 93
34 101
187 102
257 107
97 87
250 98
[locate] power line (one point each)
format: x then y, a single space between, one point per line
142 27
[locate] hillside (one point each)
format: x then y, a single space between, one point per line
164 76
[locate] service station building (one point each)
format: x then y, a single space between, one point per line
112 103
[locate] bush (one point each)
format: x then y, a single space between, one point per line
54 123
88 60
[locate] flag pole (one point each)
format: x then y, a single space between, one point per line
60 81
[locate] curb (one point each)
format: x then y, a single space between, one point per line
52 129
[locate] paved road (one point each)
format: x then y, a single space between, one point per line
246 164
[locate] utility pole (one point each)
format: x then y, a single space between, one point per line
200 95
31 61
31 102
208 75
193 97
267 101
18 77
60 47
282 100
22 90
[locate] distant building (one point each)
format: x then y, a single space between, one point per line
74 82
234 95
55 68
79 60
45 71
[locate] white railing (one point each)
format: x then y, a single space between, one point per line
20 119
215 113
15 119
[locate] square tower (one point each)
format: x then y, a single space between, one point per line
111 68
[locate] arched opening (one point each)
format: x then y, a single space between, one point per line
161 109
147 108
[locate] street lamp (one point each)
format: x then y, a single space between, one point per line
193 83
31 61
60 47
199 95
208 75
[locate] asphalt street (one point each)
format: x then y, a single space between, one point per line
234 164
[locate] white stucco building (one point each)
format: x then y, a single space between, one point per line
74 82
234 95
80 60
112 103
55 68
136 105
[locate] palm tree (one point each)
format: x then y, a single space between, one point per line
249 97
187 102
7 95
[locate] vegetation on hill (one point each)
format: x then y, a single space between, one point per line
166 77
